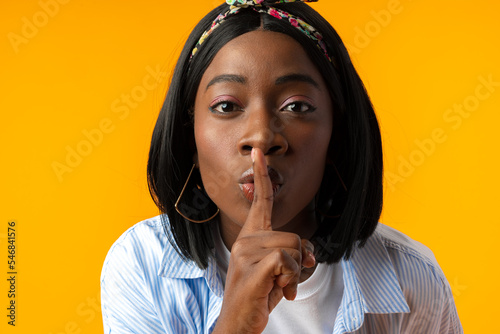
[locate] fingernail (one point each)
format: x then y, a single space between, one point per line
252 155
311 256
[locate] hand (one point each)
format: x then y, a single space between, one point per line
265 265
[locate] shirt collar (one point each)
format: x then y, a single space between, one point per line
174 266
370 284
370 281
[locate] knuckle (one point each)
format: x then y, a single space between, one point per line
297 242
297 256
288 262
279 255
239 246
292 240
307 245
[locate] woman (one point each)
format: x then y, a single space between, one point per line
266 163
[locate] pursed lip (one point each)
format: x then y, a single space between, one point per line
246 182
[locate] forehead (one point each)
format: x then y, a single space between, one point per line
262 53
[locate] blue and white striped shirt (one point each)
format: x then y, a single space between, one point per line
391 285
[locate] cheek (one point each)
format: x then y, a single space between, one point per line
312 139
214 154
205 140
311 145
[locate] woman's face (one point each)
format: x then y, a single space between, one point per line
262 90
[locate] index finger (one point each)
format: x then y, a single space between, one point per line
259 217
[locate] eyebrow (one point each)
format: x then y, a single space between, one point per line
227 78
296 77
280 81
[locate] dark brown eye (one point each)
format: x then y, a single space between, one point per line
224 107
299 107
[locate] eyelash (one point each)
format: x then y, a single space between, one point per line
310 107
217 103
213 107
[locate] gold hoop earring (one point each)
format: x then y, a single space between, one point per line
179 198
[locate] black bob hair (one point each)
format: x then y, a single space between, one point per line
349 201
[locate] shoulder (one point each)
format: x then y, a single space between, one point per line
391 256
397 242
134 259
147 248
414 263
134 293
151 229
411 260
137 246
421 279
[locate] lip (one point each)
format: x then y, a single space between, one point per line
246 182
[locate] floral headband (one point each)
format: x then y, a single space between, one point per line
262 6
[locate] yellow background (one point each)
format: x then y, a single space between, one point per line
68 74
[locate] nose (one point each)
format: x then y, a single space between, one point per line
264 130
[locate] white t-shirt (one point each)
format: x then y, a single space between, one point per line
314 310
